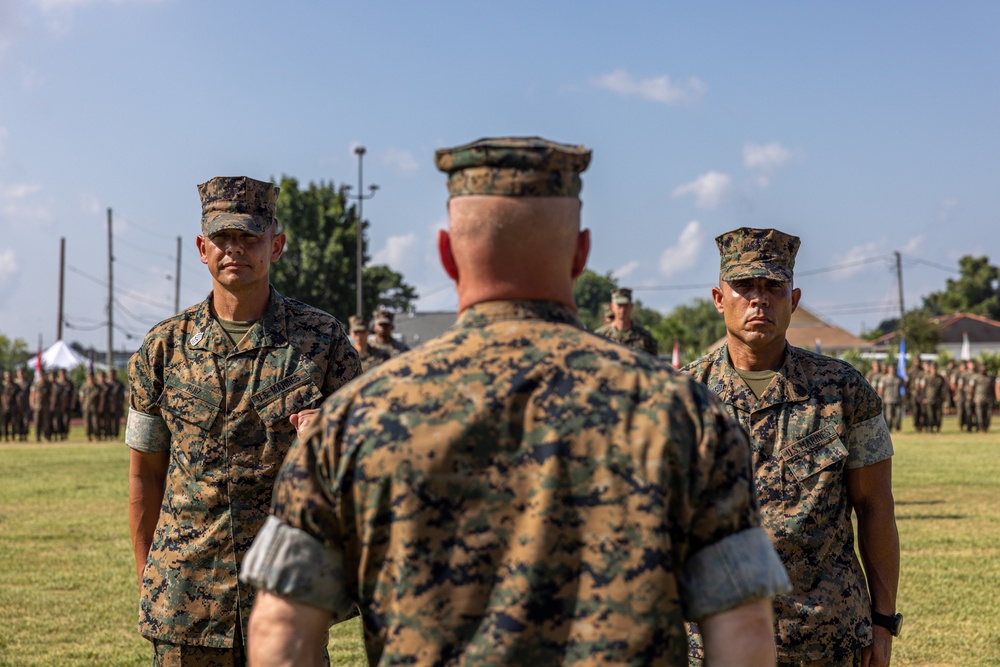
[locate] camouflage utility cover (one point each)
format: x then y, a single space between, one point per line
621 295
237 202
636 337
757 253
222 413
514 167
518 491
817 418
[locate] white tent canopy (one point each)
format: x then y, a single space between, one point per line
61 355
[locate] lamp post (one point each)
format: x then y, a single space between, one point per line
360 197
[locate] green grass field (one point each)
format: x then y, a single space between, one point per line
67 579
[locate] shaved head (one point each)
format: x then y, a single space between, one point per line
516 247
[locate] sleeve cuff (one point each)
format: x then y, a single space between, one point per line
868 442
734 570
290 562
146 433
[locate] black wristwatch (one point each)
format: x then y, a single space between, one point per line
892 623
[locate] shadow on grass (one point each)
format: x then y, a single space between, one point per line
924 517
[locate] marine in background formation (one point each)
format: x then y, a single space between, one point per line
369 355
890 388
10 408
517 491
382 338
88 397
622 329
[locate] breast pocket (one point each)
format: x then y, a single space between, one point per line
813 474
278 401
188 405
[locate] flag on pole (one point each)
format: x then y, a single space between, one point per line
38 361
675 358
966 354
901 364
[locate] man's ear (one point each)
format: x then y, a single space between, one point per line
277 246
717 297
581 253
447 258
200 242
796 295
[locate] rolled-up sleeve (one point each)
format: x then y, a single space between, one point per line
868 442
146 433
736 569
292 563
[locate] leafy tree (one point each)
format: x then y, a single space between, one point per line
922 335
977 290
695 326
12 353
319 265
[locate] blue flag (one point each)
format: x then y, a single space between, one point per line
901 367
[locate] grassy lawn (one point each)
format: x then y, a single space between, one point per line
67 581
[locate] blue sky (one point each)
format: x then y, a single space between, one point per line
864 128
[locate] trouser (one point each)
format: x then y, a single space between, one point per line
932 413
90 424
43 425
983 409
116 424
166 654
894 416
849 660
918 416
6 425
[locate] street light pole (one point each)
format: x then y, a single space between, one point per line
361 197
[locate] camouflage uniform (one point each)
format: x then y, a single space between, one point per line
518 491
41 407
9 415
371 356
636 337
816 419
222 414
223 462
519 502
88 406
392 347
891 391
935 393
24 404
982 399
115 405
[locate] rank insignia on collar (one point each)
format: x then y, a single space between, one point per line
195 339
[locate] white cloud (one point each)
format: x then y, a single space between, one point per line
684 254
402 160
947 206
914 245
398 252
854 260
657 89
90 203
8 265
764 160
709 190
19 191
623 271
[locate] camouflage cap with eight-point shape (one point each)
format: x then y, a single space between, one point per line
237 202
514 167
757 253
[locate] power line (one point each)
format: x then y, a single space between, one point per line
132 295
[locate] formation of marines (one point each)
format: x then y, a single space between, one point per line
47 405
963 388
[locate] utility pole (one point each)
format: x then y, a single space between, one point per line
177 279
111 293
62 284
899 279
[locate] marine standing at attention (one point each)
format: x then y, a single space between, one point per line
382 339
821 449
517 491
217 393
622 329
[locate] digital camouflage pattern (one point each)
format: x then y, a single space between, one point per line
515 167
517 491
222 412
818 418
393 347
621 296
237 202
636 337
757 253
372 357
